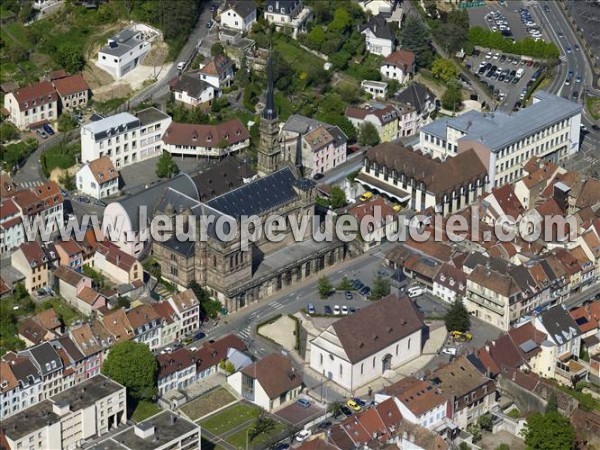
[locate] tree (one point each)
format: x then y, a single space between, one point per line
133 365
217 49
486 422
464 446
66 122
166 167
69 56
549 431
381 287
209 307
262 425
68 182
393 87
341 21
414 37
552 405
452 98
335 408
475 431
444 69
345 284
325 287
20 291
316 37
503 447
8 132
337 198
227 366
123 302
457 318
368 134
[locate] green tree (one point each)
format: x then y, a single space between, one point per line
154 269
123 302
549 431
393 87
316 37
486 422
337 198
381 287
20 291
262 425
69 56
452 98
457 318
444 69
414 37
341 21
209 307
217 49
345 284
503 447
368 134
464 446
324 287
552 405
475 431
166 167
68 182
133 365
8 132
66 122
335 408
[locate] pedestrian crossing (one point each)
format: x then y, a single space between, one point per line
29 184
245 333
276 305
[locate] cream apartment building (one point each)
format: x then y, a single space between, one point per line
549 129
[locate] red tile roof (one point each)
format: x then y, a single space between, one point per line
116 256
34 254
275 374
213 353
71 85
170 363
103 170
368 209
41 93
417 395
193 135
70 247
402 59
587 317
165 310
7 208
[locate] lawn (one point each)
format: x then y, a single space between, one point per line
229 418
67 314
239 439
143 410
295 56
592 104
208 403
19 32
60 156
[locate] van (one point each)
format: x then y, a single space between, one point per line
520 73
181 66
415 291
366 196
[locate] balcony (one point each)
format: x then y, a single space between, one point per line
486 303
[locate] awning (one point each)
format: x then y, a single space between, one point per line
383 187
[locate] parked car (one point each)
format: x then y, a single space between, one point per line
100 203
325 425
199 335
365 290
353 405
48 129
346 411
304 402
353 309
318 176
360 402
41 133
449 351
348 295
328 309
311 309
415 291
357 284
336 310
344 310
303 435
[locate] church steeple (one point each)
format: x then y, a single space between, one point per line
269 150
269 111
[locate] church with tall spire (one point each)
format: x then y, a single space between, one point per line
269 149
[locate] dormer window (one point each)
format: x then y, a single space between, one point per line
47 366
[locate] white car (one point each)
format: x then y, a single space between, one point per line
336 310
344 310
303 435
496 55
449 351
488 55
193 349
415 291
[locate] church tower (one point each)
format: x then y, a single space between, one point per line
269 149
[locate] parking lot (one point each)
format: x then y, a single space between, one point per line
480 16
500 75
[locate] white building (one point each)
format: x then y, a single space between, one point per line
376 89
32 106
12 233
269 383
351 352
176 370
399 66
83 412
49 365
146 325
98 178
549 129
289 14
187 307
20 385
323 149
450 283
379 36
125 138
191 90
239 15
124 52
218 72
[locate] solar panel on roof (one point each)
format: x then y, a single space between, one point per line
527 346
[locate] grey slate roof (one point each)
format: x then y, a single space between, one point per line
499 129
475 259
44 354
225 176
301 124
560 325
243 7
380 28
25 371
150 115
258 196
191 83
123 43
415 95
118 123
184 248
289 5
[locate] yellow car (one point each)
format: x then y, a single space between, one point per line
366 196
353 405
459 336
396 207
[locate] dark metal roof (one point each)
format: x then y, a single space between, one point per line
45 354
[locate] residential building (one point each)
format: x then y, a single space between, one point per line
206 140
32 262
292 141
163 431
91 347
469 393
146 325
287 14
43 204
376 89
32 333
70 254
190 90
12 233
187 307
351 353
117 324
587 318
98 178
385 223
176 370
73 92
379 36
32 106
399 66
537 173
48 363
68 419
549 129
377 7
450 283
383 116
20 384
326 147
269 382
116 264
124 52
418 401
421 99
211 354
238 15
73 360
124 138
419 182
49 320
77 290
171 323
218 72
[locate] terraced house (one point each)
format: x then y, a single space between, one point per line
32 106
